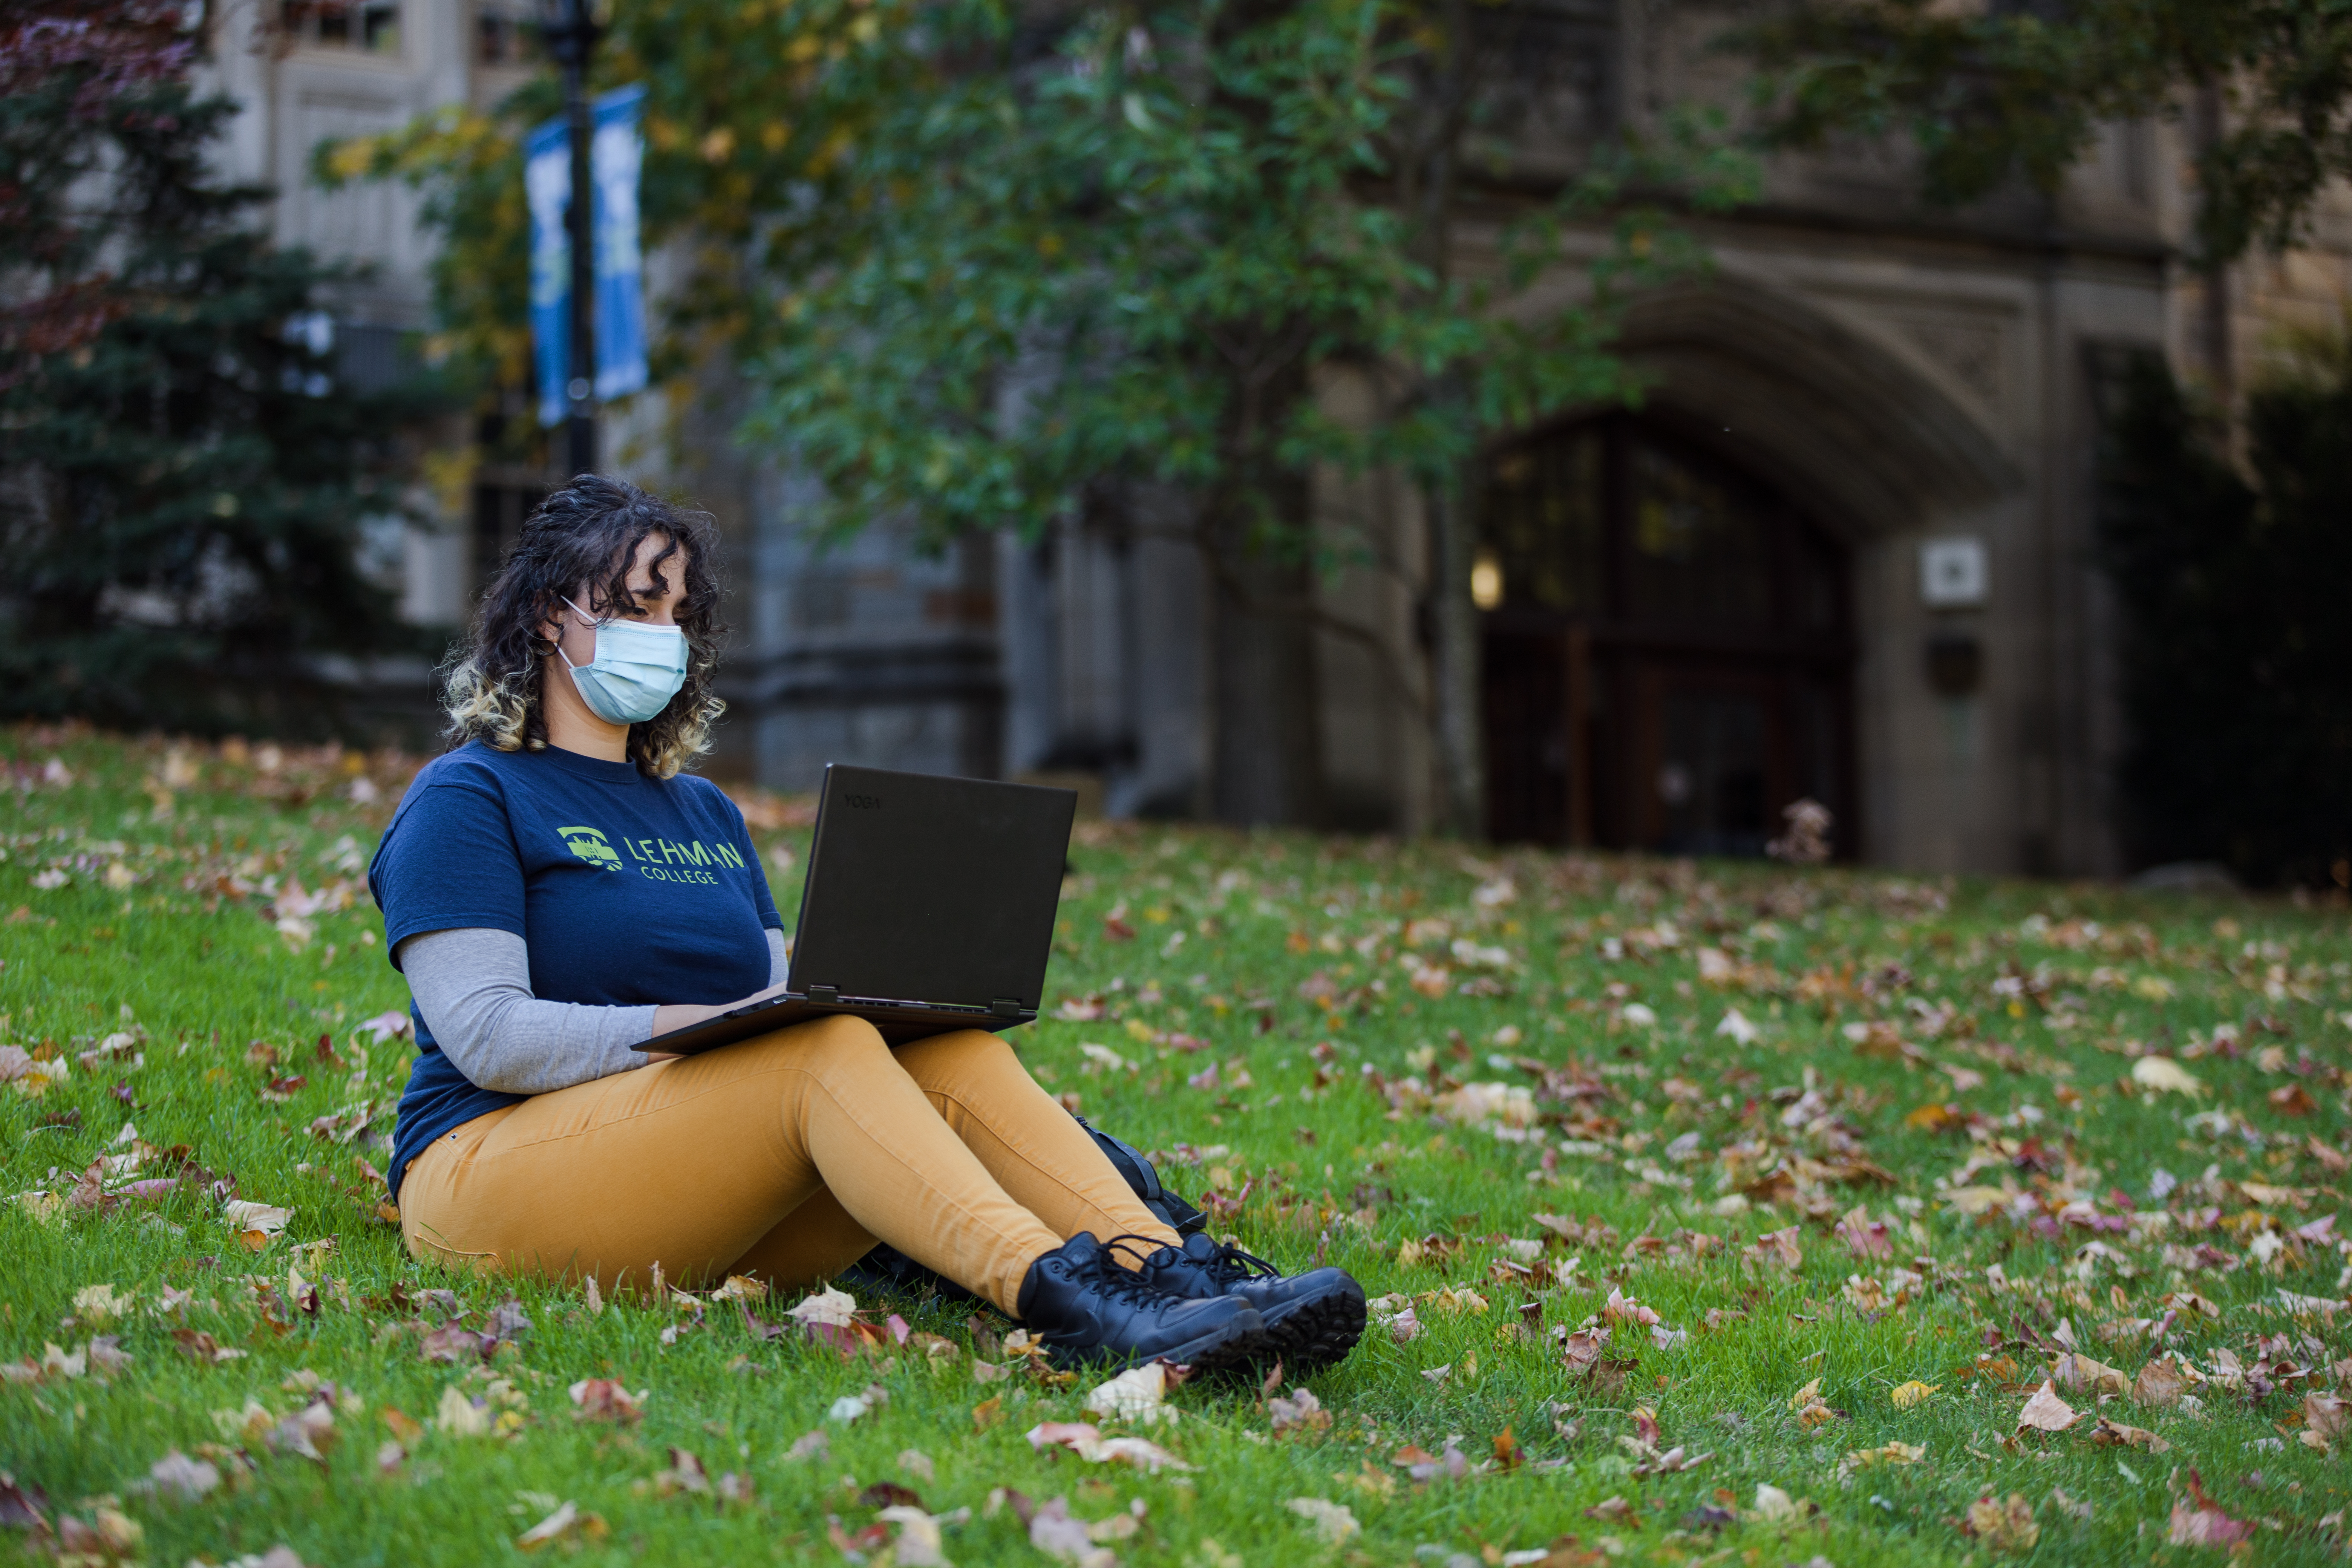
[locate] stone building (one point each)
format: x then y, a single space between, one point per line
1843 548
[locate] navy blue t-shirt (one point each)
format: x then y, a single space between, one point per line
627 890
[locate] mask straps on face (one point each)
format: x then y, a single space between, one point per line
594 625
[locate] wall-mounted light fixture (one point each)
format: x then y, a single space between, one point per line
1486 579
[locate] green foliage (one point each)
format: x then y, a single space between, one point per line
2237 648
188 482
1134 255
1992 93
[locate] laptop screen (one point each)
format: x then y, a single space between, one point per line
927 889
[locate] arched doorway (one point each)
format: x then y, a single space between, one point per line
1668 649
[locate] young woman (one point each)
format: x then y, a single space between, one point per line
557 892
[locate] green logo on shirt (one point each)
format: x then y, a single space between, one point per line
658 859
589 846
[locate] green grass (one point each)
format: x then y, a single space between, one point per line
1291 967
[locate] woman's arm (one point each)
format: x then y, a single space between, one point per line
473 986
680 1014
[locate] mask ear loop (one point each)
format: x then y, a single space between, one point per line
559 641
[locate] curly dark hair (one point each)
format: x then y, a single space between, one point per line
588 531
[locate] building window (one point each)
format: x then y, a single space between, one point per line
372 25
503 35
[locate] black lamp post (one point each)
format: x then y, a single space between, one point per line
570 31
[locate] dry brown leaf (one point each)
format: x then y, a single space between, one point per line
2080 1374
603 1399
2045 1412
565 1521
2115 1433
2160 1384
2005 1528
1083 1439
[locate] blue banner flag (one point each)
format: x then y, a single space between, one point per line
616 148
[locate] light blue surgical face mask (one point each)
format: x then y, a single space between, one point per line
636 670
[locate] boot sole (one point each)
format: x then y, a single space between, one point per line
1318 1332
1227 1349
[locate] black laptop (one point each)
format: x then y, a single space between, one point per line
929 906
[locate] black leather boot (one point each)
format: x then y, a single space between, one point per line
1087 1308
1311 1320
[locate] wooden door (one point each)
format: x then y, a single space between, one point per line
1527 714
1710 760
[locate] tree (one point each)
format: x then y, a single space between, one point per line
984 274
1995 92
1136 255
186 482
2237 654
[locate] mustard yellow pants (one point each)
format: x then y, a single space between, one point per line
786 1157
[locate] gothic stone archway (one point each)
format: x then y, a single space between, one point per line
1669 644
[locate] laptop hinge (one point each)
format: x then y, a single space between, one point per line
825 994
1005 1006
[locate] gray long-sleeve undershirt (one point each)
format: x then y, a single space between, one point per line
473 986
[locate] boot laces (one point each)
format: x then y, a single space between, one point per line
1232 1263
1117 1280
1228 1263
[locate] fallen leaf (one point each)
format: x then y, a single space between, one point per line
918 1544
2045 1412
1887 1454
1581 1350
180 1477
2162 1075
1335 1522
2201 1522
1136 1394
1907 1395
603 1399
2160 1384
22 1504
458 1416
1779 1248
2115 1433
1083 1439
454 1346
1301 1411
254 1223
2005 1528
565 1521
1864 1237
1052 1531
829 1308
2081 1374
202 1348
109 1537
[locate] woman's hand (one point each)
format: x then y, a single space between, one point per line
684 1015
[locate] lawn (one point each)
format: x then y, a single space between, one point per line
1714 1212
